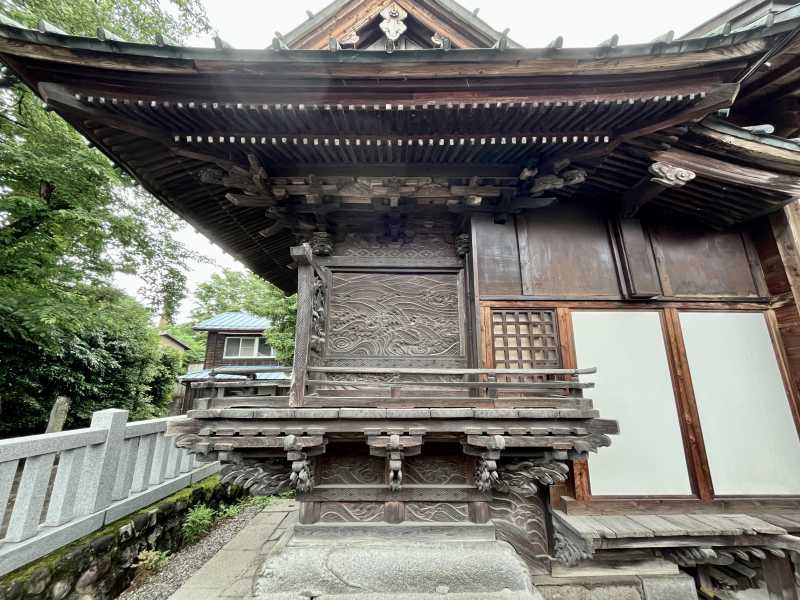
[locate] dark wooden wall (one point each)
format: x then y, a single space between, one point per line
215 350
574 252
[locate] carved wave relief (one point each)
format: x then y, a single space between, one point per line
394 316
447 512
351 512
434 470
364 470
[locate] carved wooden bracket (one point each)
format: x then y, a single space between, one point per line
661 176
300 455
394 448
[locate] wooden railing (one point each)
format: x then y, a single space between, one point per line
407 387
58 487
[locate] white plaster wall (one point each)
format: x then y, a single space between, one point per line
633 386
750 436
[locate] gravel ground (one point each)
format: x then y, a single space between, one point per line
185 562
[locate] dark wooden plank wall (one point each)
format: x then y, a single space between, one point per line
215 351
574 252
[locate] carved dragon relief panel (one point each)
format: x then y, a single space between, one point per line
395 316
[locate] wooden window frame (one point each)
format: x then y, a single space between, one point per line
260 340
575 495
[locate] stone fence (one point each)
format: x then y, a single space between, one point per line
58 487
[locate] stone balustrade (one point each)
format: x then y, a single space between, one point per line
58 487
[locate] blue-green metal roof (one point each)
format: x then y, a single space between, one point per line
234 321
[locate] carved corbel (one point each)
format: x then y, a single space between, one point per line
322 243
301 456
463 244
523 475
394 448
661 176
488 453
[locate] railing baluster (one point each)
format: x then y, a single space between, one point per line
7 472
174 460
160 459
32 492
127 465
65 488
186 461
102 460
144 463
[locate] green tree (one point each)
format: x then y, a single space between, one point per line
69 220
236 290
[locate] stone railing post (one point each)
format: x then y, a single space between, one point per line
101 462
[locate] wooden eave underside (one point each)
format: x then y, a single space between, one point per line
469 121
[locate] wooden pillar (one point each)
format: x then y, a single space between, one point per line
303 258
688 415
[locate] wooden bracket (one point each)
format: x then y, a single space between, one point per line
661 176
395 448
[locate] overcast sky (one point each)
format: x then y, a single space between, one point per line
533 23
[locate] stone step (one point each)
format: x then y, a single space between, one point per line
390 532
393 568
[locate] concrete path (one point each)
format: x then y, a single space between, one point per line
231 572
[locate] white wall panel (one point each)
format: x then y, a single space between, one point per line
750 435
633 386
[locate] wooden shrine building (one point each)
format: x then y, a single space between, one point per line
506 260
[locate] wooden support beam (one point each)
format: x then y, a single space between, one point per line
303 258
786 229
720 170
661 176
693 442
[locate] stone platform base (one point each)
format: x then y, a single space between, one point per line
394 567
652 587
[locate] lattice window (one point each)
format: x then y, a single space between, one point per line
525 339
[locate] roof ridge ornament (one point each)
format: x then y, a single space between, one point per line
392 25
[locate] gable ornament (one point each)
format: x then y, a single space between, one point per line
392 25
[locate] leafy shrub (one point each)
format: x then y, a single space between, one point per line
257 501
152 561
197 523
227 512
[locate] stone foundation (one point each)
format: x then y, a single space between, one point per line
100 566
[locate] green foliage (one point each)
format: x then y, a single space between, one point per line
197 523
235 290
134 20
259 502
151 561
69 220
228 512
196 340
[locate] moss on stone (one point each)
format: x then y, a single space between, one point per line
52 561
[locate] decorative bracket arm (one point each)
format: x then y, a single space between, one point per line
395 448
300 455
661 176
